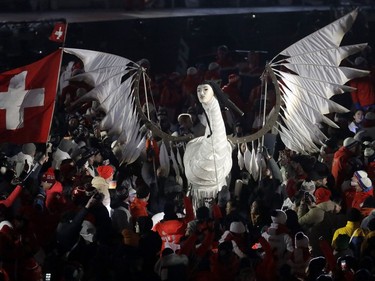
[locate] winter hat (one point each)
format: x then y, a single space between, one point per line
191 71
49 176
368 152
322 195
99 182
143 191
213 66
237 227
29 148
301 240
278 216
308 186
350 142
6 227
363 181
105 171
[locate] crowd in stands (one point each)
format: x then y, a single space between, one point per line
70 210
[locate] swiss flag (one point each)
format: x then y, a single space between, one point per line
58 33
27 99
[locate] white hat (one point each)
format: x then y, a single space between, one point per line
350 142
213 66
237 227
191 71
368 152
29 148
278 216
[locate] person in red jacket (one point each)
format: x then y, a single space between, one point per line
54 201
340 169
171 228
359 188
363 96
138 207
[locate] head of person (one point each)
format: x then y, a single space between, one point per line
352 144
361 182
29 149
358 116
205 92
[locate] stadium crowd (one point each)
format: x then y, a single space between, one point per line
70 210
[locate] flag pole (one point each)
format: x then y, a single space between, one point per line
61 49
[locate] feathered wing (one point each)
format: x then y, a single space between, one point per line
112 79
309 74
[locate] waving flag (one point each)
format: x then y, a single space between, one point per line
27 98
58 33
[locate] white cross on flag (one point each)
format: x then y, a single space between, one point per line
27 99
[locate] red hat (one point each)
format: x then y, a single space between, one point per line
105 171
322 195
49 176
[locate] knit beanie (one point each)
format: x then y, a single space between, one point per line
105 171
363 180
29 148
301 240
49 176
350 142
322 195
237 227
278 216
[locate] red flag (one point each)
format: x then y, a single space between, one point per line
27 99
58 33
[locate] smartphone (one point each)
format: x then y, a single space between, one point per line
343 264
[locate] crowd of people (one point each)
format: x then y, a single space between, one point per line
70 210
